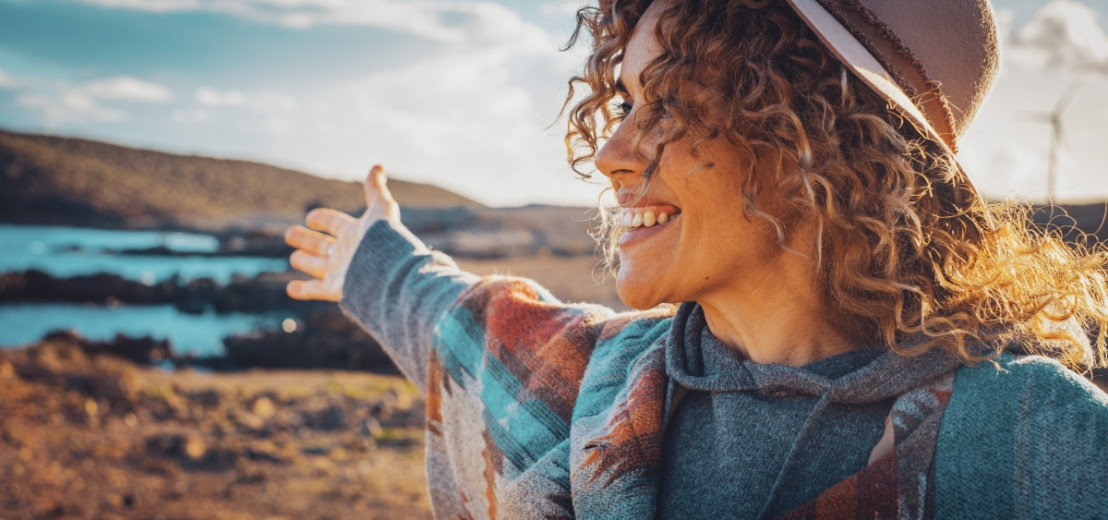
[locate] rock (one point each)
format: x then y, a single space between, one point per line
207 398
247 420
91 408
254 244
195 448
176 445
263 407
372 428
325 417
262 293
62 361
142 350
327 339
7 371
37 286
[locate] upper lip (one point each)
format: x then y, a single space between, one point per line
631 199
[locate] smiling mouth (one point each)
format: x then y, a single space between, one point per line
647 216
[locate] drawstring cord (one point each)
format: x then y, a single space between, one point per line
808 424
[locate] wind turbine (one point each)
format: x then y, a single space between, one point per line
1054 119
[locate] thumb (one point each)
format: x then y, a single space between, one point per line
376 191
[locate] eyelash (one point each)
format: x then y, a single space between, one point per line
621 109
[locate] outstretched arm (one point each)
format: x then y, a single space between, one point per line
385 278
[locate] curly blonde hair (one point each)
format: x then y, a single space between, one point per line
905 245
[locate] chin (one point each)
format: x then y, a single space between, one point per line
637 292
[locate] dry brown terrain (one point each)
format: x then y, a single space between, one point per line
96 437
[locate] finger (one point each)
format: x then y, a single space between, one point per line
328 220
309 290
376 187
311 264
312 242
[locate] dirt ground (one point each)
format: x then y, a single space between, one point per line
100 438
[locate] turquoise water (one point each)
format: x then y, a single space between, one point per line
199 334
64 252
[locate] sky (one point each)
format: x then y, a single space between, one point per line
460 93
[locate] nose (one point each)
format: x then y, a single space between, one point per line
619 161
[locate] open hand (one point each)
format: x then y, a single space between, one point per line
325 253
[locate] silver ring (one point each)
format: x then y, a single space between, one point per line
331 249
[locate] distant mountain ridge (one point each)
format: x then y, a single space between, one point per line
78 182
68 181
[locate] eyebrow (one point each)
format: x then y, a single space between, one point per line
620 87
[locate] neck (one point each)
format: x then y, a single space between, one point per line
777 318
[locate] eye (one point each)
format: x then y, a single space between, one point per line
621 109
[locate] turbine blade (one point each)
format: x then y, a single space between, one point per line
1037 117
1066 99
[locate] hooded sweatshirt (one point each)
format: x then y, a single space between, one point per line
539 409
785 434
766 426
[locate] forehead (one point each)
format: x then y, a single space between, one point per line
641 47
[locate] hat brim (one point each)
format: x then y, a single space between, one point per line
842 43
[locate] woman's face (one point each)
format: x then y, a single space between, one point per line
704 246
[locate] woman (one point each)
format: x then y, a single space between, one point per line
856 330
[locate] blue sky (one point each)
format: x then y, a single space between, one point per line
457 93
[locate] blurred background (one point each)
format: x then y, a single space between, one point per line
153 151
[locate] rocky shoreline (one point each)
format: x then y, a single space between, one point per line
320 337
262 293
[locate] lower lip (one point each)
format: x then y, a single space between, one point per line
641 234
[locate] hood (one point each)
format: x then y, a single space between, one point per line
696 360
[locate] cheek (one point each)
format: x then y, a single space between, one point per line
730 240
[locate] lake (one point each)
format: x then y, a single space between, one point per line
66 252
202 334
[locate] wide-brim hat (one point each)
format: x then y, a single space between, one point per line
934 60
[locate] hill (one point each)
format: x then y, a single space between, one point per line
78 182
67 181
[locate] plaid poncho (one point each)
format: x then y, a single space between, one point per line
538 409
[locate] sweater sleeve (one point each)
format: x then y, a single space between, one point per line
397 289
501 362
1025 439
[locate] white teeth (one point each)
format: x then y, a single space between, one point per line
633 217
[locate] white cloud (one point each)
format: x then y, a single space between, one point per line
217 98
262 103
160 6
189 116
561 9
453 22
64 102
1063 34
70 106
126 88
466 122
6 80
